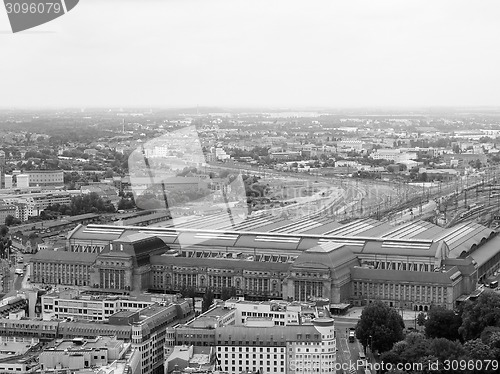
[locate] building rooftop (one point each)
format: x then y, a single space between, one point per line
483 253
10 348
261 336
64 257
77 344
464 236
401 276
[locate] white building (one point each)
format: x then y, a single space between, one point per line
356 145
221 155
316 355
87 307
280 313
37 202
149 336
23 181
8 181
295 349
396 155
79 353
347 163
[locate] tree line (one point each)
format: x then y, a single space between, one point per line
469 334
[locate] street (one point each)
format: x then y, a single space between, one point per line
347 353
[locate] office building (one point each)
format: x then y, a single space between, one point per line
78 305
249 335
80 353
6 210
18 354
45 178
273 349
22 180
149 335
191 359
36 202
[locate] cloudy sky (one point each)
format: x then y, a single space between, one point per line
242 53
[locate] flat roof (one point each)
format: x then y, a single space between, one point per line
402 276
87 344
64 256
82 216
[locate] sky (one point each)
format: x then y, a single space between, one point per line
255 53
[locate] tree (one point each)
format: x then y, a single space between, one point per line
390 357
442 323
227 293
477 350
421 318
4 230
108 173
479 314
380 326
445 349
417 347
5 241
208 299
90 203
9 220
126 204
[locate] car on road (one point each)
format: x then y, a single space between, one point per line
352 336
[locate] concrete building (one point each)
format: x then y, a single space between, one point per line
121 264
54 178
396 155
285 156
6 210
78 305
22 181
356 145
251 336
149 337
81 353
120 325
17 355
221 155
8 181
62 267
190 359
36 202
296 349
463 159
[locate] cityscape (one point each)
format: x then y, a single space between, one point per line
249 187
202 241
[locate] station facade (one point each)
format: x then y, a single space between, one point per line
432 266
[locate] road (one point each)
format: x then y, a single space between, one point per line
347 352
18 280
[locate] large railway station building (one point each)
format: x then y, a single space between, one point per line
414 265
